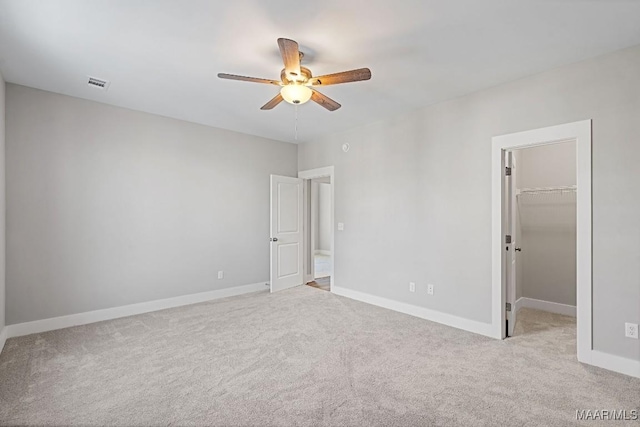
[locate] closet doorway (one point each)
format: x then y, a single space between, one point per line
542 200
521 214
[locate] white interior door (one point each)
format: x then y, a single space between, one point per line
287 268
512 209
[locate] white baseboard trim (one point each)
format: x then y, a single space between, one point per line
44 325
3 337
322 252
552 307
421 312
614 363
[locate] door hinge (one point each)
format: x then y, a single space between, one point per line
507 171
508 306
507 238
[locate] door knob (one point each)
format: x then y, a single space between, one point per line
518 249
273 239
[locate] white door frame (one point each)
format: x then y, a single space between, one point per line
313 217
580 132
309 175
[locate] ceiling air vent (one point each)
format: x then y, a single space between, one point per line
98 83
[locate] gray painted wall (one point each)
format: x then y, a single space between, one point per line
549 269
324 217
108 206
2 204
547 166
321 194
315 196
547 263
414 192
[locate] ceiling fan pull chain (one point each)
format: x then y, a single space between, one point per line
296 125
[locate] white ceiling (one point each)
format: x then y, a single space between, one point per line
163 56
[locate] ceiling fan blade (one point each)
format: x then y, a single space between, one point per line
248 79
324 100
291 57
275 101
343 77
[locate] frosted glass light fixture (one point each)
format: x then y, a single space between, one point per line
295 93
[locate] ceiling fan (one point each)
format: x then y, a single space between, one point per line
298 84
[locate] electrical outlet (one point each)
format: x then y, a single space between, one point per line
220 274
412 287
631 330
430 289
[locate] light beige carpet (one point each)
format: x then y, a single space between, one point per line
301 357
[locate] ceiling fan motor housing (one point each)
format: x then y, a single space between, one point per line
305 76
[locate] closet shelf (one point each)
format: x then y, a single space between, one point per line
547 190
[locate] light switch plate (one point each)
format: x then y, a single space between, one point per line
341 226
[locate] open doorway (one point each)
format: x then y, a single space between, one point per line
507 293
320 207
541 258
319 228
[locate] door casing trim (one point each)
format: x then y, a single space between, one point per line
580 132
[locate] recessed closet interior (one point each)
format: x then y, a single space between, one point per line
545 234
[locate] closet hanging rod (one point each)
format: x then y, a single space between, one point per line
548 190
